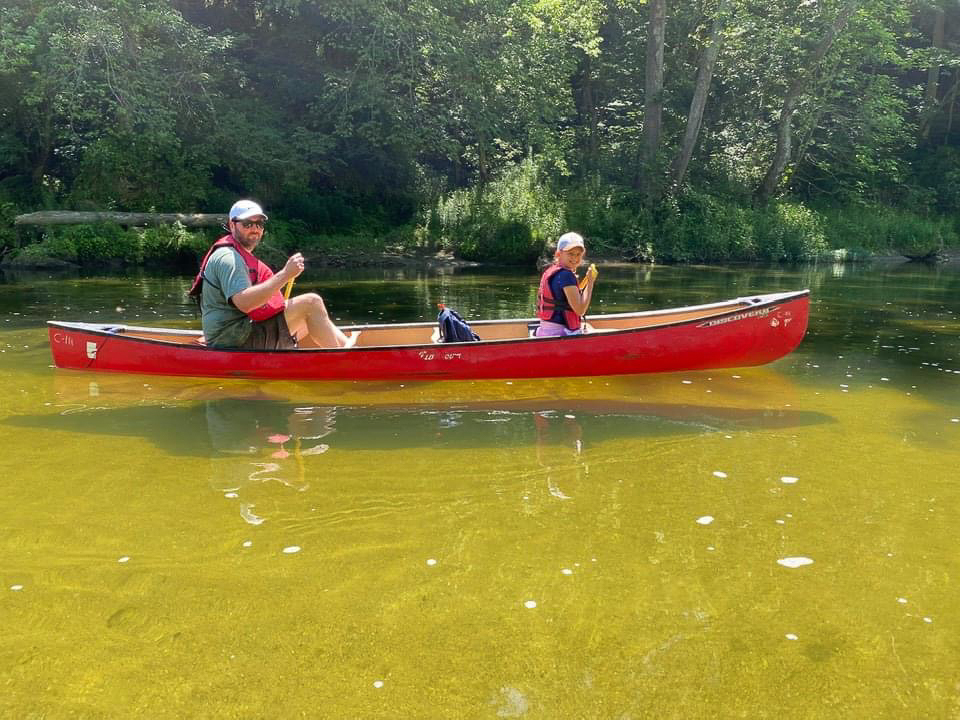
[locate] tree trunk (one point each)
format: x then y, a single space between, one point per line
588 108
781 155
933 75
805 142
482 168
708 59
67 217
653 96
950 100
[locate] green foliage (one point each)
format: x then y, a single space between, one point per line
407 124
285 237
938 172
111 245
165 244
789 232
101 244
884 230
508 221
701 227
704 228
604 213
8 235
102 95
51 247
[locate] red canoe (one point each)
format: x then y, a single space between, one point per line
745 331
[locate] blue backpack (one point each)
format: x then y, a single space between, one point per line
454 328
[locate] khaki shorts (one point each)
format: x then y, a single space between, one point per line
270 334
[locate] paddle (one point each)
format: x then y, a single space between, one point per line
287 289
592 270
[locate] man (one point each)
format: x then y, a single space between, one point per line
241 302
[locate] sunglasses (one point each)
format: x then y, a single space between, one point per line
252 223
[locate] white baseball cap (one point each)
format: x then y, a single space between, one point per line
570 240
244 209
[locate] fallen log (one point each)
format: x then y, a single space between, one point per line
937 255
69 217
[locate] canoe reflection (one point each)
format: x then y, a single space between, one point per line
244 425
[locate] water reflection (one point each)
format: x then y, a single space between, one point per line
259 425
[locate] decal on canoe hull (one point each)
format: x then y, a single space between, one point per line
760 312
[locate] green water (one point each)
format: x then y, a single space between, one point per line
572 548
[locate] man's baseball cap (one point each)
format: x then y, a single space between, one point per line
245 209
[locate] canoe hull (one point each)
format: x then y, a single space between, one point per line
766 331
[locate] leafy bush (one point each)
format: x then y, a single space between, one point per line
699 227
789 231
55 247
111 245
286 236
8 235
508 221
85 245
885 230
166 244
104 245
318 211
604 214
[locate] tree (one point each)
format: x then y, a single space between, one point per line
797 87
653 99
708 58
108 91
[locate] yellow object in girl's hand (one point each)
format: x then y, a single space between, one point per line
591 271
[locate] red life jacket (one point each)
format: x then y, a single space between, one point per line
547 303
259 273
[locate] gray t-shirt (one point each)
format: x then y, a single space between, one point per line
225 275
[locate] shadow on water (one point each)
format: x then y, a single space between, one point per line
251 425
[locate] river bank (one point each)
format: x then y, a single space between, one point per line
447 260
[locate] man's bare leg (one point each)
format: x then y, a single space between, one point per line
308 320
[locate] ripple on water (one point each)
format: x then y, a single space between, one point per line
705 520
719 474
291 549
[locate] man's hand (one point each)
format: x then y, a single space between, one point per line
256 295
293 268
